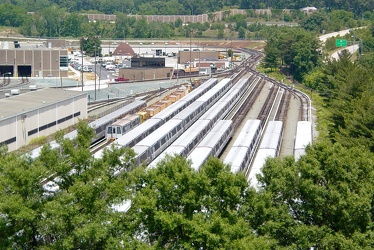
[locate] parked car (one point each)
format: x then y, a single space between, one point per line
110 67
121 79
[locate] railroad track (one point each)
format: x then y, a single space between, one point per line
247 103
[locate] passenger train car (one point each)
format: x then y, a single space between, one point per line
303 138
151 146
122 126
99 125
242 150
269 147
194 134
144 129
212 144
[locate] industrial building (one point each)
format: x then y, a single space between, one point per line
21 59
38 112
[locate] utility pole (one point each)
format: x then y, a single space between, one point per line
190 56
82 41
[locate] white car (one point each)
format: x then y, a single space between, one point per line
110 67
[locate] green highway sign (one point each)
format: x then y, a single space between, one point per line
341 43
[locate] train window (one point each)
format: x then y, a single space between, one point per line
163 140
109 130
119 130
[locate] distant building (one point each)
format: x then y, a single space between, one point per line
309 10
48 59
123 50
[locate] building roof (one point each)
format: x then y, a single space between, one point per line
123 49
309 9
19 104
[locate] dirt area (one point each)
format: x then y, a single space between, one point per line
88 76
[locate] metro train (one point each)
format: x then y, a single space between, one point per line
194 134
144 129
269 147
303 138
122 126
212 144
151 146
243 148
98 125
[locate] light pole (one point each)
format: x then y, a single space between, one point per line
99 76
190 57
82 46
95 37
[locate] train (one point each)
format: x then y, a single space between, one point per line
194 134
122 126
212 144
269 147
243 148
151 146
303 138
145 128
99 125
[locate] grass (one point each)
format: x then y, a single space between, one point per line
275 74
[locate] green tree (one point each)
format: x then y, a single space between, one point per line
181 208
315 22
323 197
271 59
141 28
242 32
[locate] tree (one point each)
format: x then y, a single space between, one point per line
176 207
271 59
327 193
241 33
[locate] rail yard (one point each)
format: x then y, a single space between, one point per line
227 116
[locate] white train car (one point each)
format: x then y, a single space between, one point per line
147 127
303 138
98 125
122 126
212 144
269 147
243 148
189 115
186 142
190 138
151 146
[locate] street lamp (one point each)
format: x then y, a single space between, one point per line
82 46
95 37
165 49
190 56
